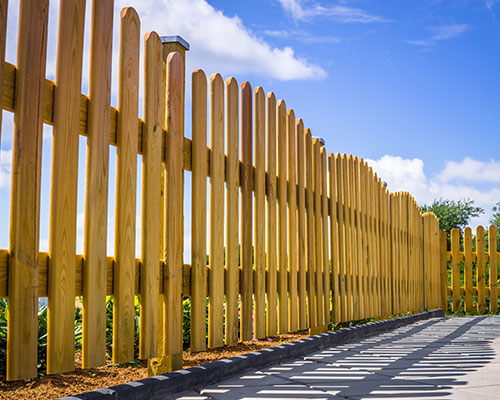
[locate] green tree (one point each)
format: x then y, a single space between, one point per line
495 218
453 214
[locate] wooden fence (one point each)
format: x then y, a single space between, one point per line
472 276
297 238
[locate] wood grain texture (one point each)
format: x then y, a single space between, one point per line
455 269
301 225
25 191
309 196
360 223
324 237
334 238
246 213
293 321
96 186
272 267
232 215
260 213
216 255
64 180
468 269
126 187
480 264
341 235
348 237
358 243
493 265
318 233
282 220
174 218
199 212
443 269
151 228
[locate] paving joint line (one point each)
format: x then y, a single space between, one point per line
158 387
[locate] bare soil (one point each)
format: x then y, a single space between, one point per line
84 380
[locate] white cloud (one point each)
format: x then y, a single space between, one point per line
220 43
408 175
471 170
440 33
301 36
338 13
5 167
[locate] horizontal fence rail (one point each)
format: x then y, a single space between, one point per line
285 237
470 270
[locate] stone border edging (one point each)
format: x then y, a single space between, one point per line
158 387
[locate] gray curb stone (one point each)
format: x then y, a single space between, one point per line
161 386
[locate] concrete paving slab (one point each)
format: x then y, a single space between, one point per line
442 358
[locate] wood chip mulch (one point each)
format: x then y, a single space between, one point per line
84 380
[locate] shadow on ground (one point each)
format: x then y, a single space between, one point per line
444 358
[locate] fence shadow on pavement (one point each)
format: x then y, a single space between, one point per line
440 358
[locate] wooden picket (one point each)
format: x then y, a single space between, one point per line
216 247
485 291
61 315
316 240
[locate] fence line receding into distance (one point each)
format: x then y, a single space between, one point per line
296 238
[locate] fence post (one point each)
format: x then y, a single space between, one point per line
164 363
25 193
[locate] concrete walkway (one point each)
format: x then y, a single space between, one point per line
441 358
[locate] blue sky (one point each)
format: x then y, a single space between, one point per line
410 85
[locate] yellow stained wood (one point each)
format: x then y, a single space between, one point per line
151 227
293 321
378 247
309 197
362 237
352 271
358 239
272 283
366 221
436 265
174 232
324 236
394 253
246 213
492 251
373 244
443 269
426 273
481 301
96 192
388 283
342 251
216 258
282 221
318 230
334 246
468 269
25 191
406 259
455 269
199 211
126 184
62 224
260 213
301 225
3 36
232 201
